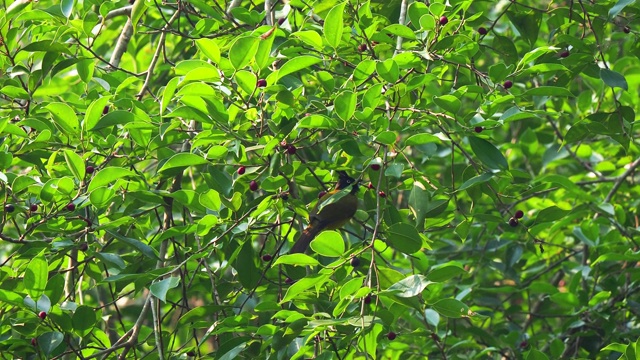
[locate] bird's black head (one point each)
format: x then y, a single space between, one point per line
345 180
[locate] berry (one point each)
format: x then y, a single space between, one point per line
508 84
105 110
513 222
478 129
71 206
288 281
253 185
241 170
281 21
391 335
34 342
367 299
321 194
375 167
261 83
266 257
362 47
89 223
443 20
564 54
482 31
42 315
370 186
355 262
9 208
519 214
291 149
90 169
83 247
33 207
382 194
524 344
307 114
626 29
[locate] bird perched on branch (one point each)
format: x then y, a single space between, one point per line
333 210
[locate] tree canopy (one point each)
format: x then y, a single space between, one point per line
159 159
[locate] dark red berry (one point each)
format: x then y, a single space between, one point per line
355 262
9 208
253 185
34 342
362 47
367 299
307 114
524 344
519 214
370 186
88 221
288 281
105 110
281 21
321 194
71 206
443 20
241 170
626 29
266 257
382 194
508 84
42 315
291 149
564 54
375 167
482 31
261 83
391 335
33 207
513 222
83 247
90 169
478 129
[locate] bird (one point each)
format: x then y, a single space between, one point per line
329 215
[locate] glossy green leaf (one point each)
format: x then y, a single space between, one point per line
404 238
488 154
243 50
328 243
161 288
334 26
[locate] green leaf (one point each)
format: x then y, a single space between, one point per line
421 139
388 70
550 214
345 105
410 286
49 341
404 238
452 308
75 164
296 259
476 180
36 275
613 79
548 91
242 51
401 30
83 320
488 154
449 103
536 355
160 288
209 48
113 118
296 64
304 285
317 122
143 248
445 272
334 25
328 243
183 160
618 7
65 117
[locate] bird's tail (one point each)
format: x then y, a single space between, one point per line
305 238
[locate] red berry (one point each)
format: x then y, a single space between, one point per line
370 186
241 170
42 315
478 129
33 207
288 281
291 149
355 262
266 257
482 31
391 335
367 299
443 20
34 342
71 206
105 110
626 29
513 222
508 84
253 185
362 47
524 344
9 208
90 169
564 54
519 214
83 247
261 83
321 194
281 21
382 194
375 167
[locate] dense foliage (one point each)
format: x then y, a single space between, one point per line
158 160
